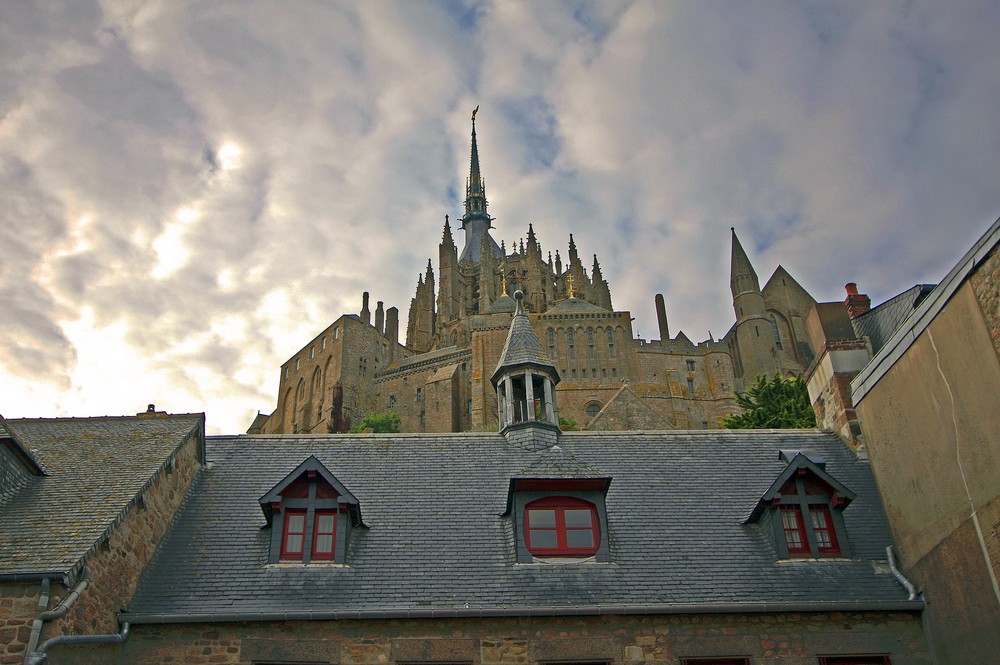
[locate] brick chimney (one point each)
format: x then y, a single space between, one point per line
856 303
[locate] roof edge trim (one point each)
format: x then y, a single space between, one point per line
468 612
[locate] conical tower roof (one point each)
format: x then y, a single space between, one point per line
522 347
742 276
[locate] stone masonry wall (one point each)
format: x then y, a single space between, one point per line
114 568
768 639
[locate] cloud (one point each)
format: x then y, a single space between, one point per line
195 190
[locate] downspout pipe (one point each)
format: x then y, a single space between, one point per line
899 575
42 654
36 625
59 611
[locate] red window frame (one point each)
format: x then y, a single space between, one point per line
854 660
317 554
286 553
824 531
793 525
559 505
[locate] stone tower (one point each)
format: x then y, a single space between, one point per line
755 349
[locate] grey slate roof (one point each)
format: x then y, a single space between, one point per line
95 468
574 305
880 322
437 543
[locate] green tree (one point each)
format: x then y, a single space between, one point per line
567 424
775 403
378 423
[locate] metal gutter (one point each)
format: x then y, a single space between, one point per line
42 655
489 612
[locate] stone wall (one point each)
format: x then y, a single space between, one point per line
114 567
986 284
769 639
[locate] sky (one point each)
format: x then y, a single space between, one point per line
191 191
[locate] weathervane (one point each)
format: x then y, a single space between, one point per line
474 111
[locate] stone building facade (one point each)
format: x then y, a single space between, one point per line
458 318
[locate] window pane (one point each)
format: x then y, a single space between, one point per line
293 543
542 518
543 538
324 523
579 538
577 518
296 522
324 544
818 518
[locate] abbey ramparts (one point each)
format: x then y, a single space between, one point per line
438 381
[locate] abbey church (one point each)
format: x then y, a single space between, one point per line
438 381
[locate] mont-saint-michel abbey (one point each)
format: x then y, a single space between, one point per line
439 380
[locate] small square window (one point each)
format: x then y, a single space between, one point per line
690 365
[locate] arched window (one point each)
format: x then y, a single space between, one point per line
593 408
610 334
570 342
777 335
561 526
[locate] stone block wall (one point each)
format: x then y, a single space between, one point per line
768 639
114 566
986 285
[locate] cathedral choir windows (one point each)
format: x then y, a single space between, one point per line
611 342
570 344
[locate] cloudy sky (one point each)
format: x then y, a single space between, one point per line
192 190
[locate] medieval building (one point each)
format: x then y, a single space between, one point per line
458 319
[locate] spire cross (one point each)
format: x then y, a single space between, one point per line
569 279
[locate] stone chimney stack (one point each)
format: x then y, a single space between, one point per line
392 327
379 317
661 318
856 303
366 314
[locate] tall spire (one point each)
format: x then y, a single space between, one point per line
476 221
475 188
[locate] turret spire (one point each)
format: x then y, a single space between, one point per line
742 276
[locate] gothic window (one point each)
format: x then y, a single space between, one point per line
420 394
570 341
552 343
312 352
777 335
298 364
286 372
336 333
610 334
590 343
323 345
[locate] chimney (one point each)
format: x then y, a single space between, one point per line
857 304
392 328
661 318
379 317
366 314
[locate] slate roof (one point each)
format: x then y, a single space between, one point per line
95 468
437 543
880 322
574 305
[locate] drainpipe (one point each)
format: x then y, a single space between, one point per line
36 625
42 655
899 576
56 613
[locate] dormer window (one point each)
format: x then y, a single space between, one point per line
804 508
311 515
561 526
